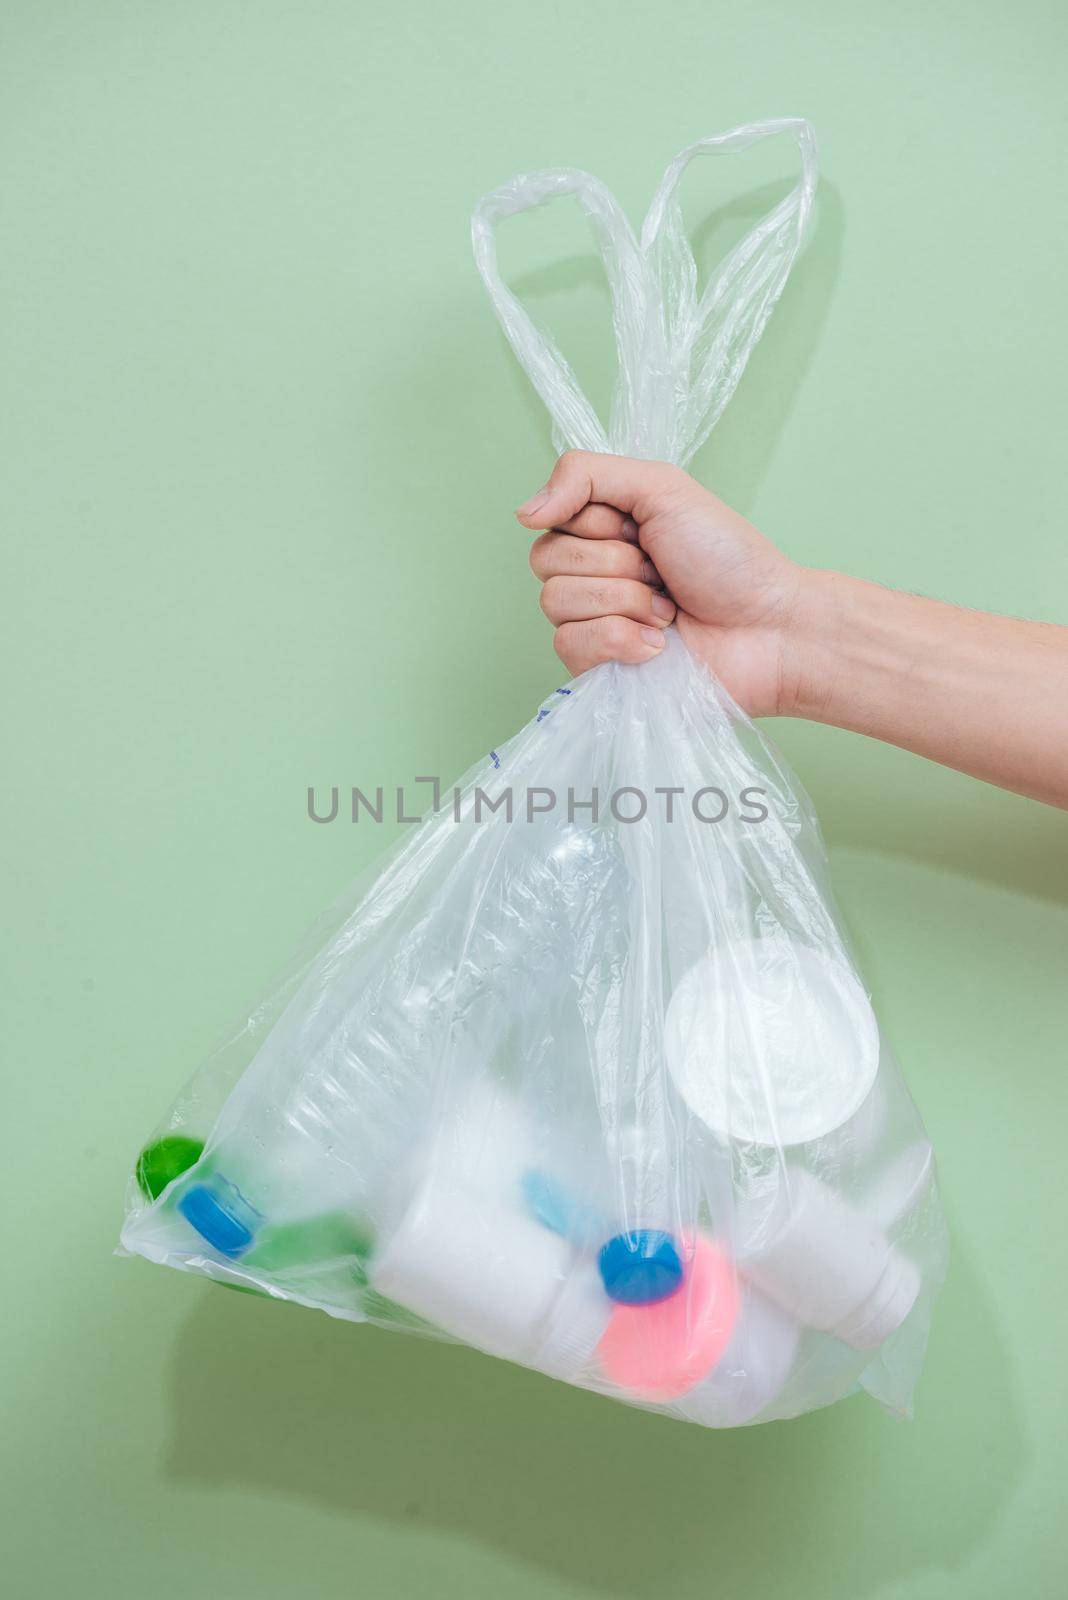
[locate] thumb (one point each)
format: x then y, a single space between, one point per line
581 477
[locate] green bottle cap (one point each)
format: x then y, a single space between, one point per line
164 1160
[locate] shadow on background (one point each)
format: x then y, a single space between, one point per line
742 446
867 799
431 391
420 1434
408 394
378 1425
866 796
736 458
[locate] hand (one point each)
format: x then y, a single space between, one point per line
637 545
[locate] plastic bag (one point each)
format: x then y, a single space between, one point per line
587 1078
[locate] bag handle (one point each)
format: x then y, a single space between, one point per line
679 357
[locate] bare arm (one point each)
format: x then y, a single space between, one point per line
632 546
982 693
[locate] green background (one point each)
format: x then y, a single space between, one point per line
261 442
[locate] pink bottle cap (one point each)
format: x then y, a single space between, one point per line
659 1351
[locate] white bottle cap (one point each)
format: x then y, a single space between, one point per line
771 1042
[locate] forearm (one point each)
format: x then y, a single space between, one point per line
985 694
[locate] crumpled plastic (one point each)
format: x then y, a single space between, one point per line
586 1076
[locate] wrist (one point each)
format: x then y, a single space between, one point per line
811 638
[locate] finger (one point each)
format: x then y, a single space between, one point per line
599 521
581 645
582 476
581 599
560 554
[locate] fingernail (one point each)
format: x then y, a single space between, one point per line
654 637
663 607
535 503
650 574
628 528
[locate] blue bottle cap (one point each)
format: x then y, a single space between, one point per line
641 1267
220 1214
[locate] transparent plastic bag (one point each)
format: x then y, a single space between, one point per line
586 1077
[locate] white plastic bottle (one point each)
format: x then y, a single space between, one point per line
463 1250
826 1264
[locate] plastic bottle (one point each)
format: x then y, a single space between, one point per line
485 1271
825 1263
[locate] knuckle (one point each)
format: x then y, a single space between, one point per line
597 520
614 634
539 554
